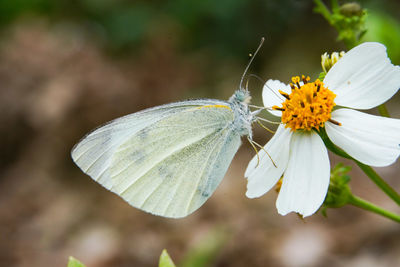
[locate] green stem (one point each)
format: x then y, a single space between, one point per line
321 8
383 111
365 168
379 181
334 5
363 204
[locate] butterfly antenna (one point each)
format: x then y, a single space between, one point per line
251 60
257 77
275 93
255 149
247 84
253 76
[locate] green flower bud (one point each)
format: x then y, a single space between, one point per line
351 9
339 190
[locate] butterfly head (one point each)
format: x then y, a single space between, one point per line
241 96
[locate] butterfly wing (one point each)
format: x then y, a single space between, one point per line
93 152
167 160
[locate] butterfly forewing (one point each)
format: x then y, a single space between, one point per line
94 152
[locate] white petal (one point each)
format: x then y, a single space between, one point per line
272 97
263 177
373 140
306 179
364 77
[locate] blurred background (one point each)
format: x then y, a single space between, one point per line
68 66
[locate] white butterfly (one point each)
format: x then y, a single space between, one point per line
169 159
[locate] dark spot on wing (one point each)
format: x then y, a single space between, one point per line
138 156
143 134
165 172
162 170
205 194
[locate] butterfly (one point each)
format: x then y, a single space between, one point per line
168 160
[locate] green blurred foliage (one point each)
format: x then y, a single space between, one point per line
228 26
165 260
72 262
9 10
203 253
206 251
385 29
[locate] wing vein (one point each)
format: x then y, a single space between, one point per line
199 179
157 140
194 191
163 159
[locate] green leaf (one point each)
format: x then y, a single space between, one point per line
206 251
165 260
72 262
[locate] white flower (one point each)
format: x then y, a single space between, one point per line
362 79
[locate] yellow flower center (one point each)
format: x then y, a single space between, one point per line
308 106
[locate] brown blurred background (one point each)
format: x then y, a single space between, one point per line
68 66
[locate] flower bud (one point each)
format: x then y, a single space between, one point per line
351 9
339 190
